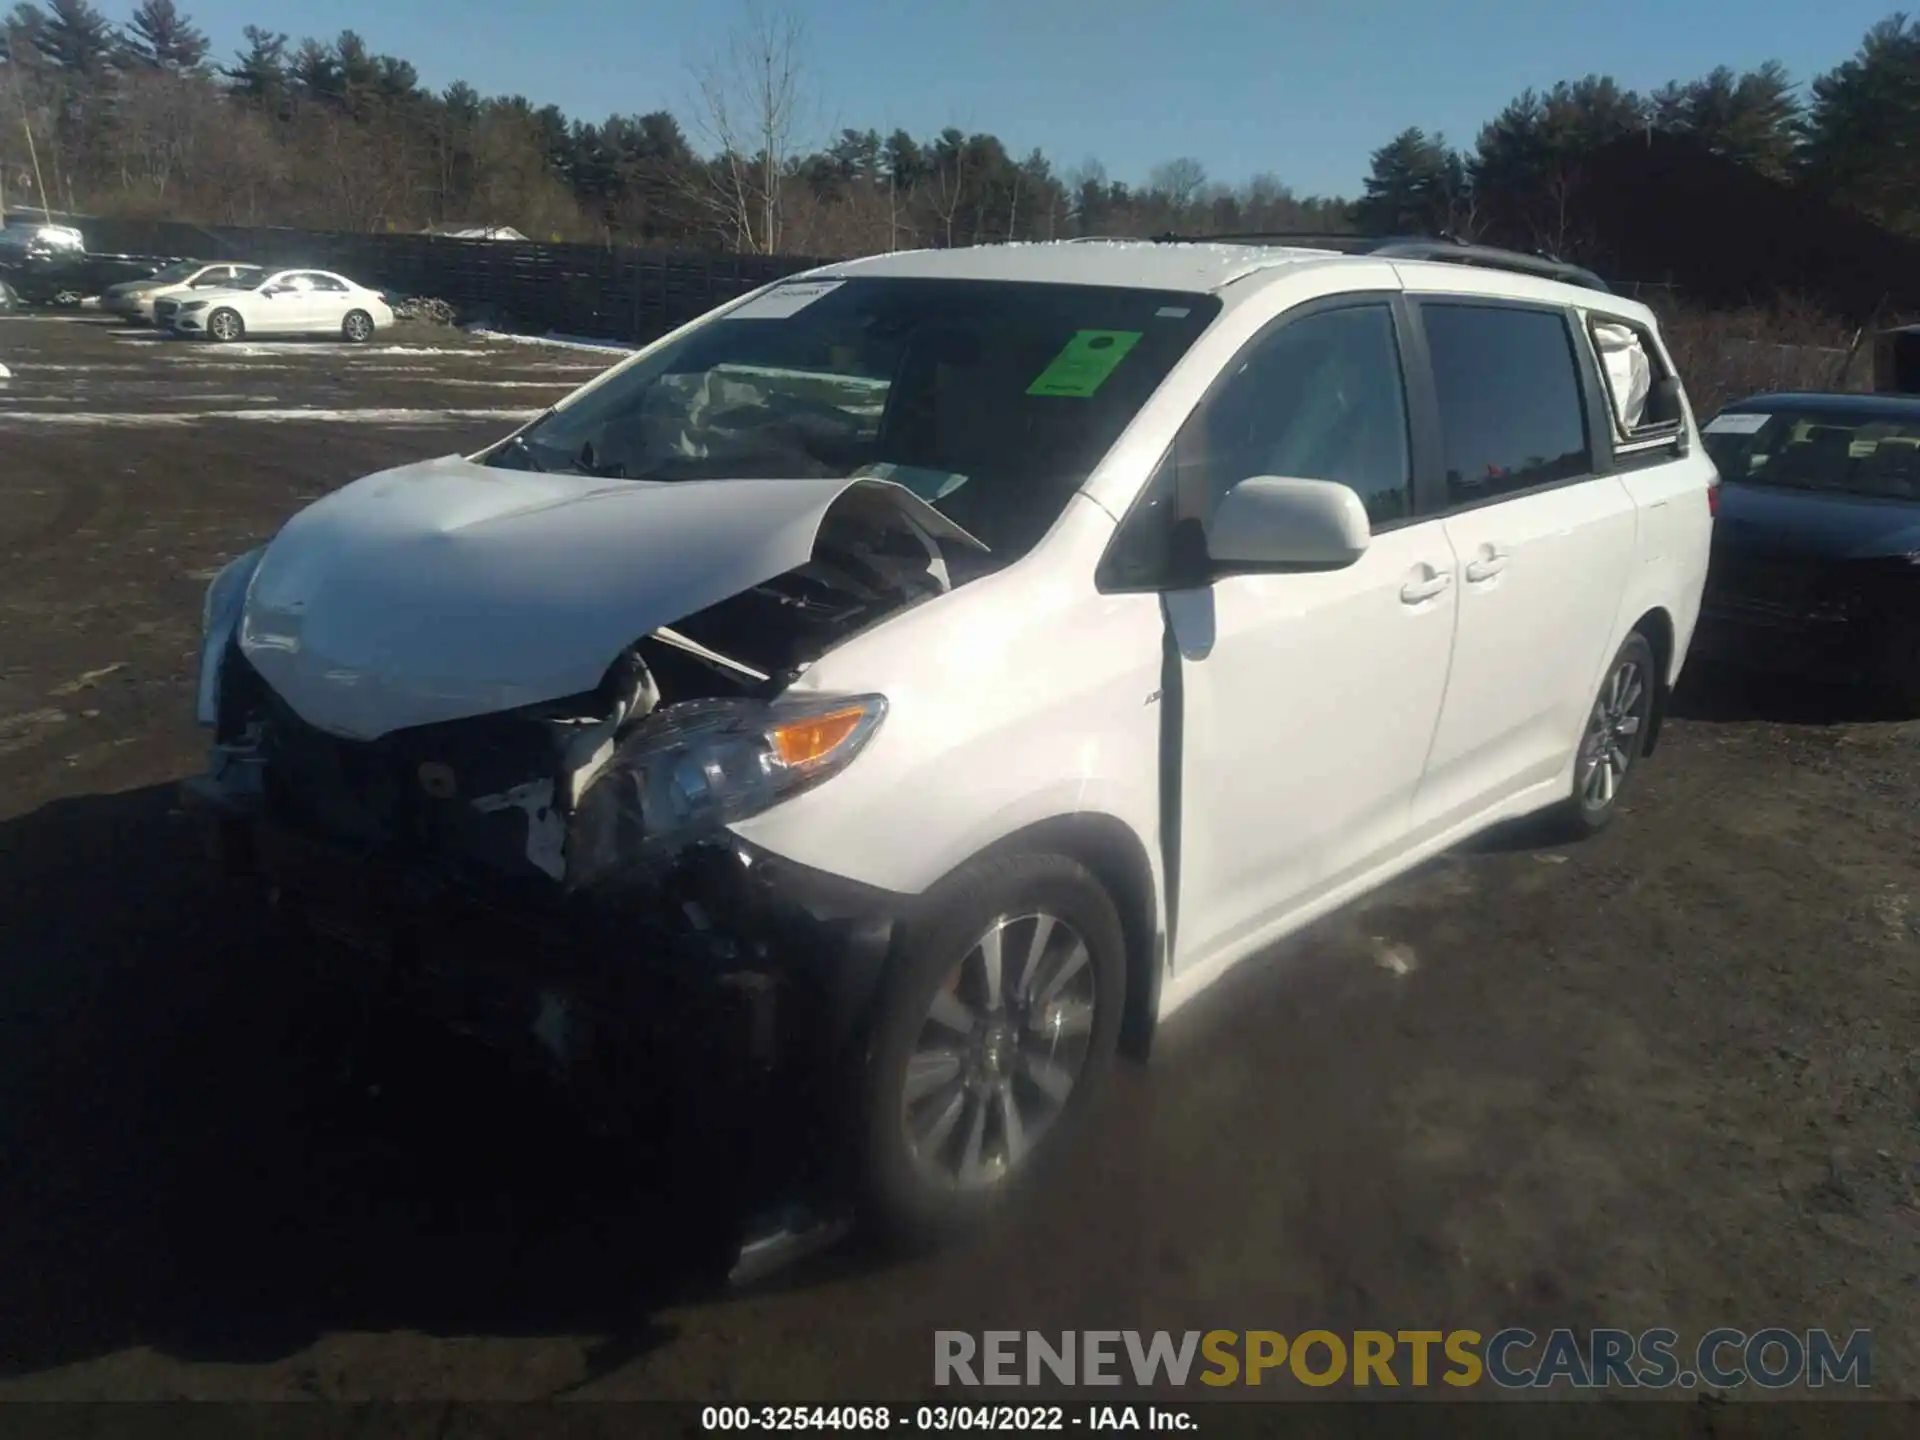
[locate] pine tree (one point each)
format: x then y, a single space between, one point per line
1752 119
76 38
1417 186
1862 125
159 37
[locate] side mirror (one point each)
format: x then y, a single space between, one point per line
1270 522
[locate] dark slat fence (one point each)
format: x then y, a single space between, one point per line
586 290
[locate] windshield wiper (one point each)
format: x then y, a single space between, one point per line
518 440
519 443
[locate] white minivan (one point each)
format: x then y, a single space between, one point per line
894 693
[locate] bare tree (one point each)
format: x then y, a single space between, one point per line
751 105
949 180
1180 181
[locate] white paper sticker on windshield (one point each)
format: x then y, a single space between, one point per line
784 300
1744 423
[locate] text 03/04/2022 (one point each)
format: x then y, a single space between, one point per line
943 1418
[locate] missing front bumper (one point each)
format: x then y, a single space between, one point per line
729 993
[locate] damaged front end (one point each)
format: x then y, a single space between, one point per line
559 878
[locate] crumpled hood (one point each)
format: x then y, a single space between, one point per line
446 589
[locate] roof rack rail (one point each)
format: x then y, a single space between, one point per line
1306 239
1461 252
1411 247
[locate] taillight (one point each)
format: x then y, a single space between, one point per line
1713 498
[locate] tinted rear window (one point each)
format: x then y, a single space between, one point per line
1511 413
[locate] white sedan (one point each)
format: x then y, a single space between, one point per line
135 299
279 302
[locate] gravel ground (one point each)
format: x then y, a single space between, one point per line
1668 1077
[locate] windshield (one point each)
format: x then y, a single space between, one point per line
180 270
248 279
1841 451
990 400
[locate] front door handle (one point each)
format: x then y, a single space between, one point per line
1486 565
1416 592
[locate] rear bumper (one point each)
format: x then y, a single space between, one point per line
733 991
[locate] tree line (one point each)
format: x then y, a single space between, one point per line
140 119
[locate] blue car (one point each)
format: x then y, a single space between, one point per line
1816 551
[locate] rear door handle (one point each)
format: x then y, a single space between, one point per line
1416 592
1486 567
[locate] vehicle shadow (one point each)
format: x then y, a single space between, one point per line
182 1166
1715 694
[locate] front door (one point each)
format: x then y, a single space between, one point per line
281 309
1308 700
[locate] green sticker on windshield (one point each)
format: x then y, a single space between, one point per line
1085 362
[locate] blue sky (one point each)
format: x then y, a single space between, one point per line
1305 89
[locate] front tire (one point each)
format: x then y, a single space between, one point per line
1612 743
992 1036
357 328
225 326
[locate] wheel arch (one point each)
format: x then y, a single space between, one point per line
1117 858
1656 628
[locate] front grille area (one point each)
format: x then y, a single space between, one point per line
373 795
1781 587
1787 593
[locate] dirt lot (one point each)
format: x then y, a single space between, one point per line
1666 1078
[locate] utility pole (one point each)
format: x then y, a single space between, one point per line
34 156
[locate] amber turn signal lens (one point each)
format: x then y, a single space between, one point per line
802 742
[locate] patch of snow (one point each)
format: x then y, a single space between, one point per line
558 342
551 384
150 418
37 368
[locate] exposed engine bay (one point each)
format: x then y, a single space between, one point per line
543 801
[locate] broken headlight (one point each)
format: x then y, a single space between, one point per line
219 614
705 764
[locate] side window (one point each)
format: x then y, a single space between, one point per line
1630 367
327 283
1319 398
1511 415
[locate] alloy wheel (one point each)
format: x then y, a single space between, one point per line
1000 1051
1613 735
225 325
359 327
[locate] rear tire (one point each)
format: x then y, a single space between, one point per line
225 326
992 1036
1611 744
357 328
